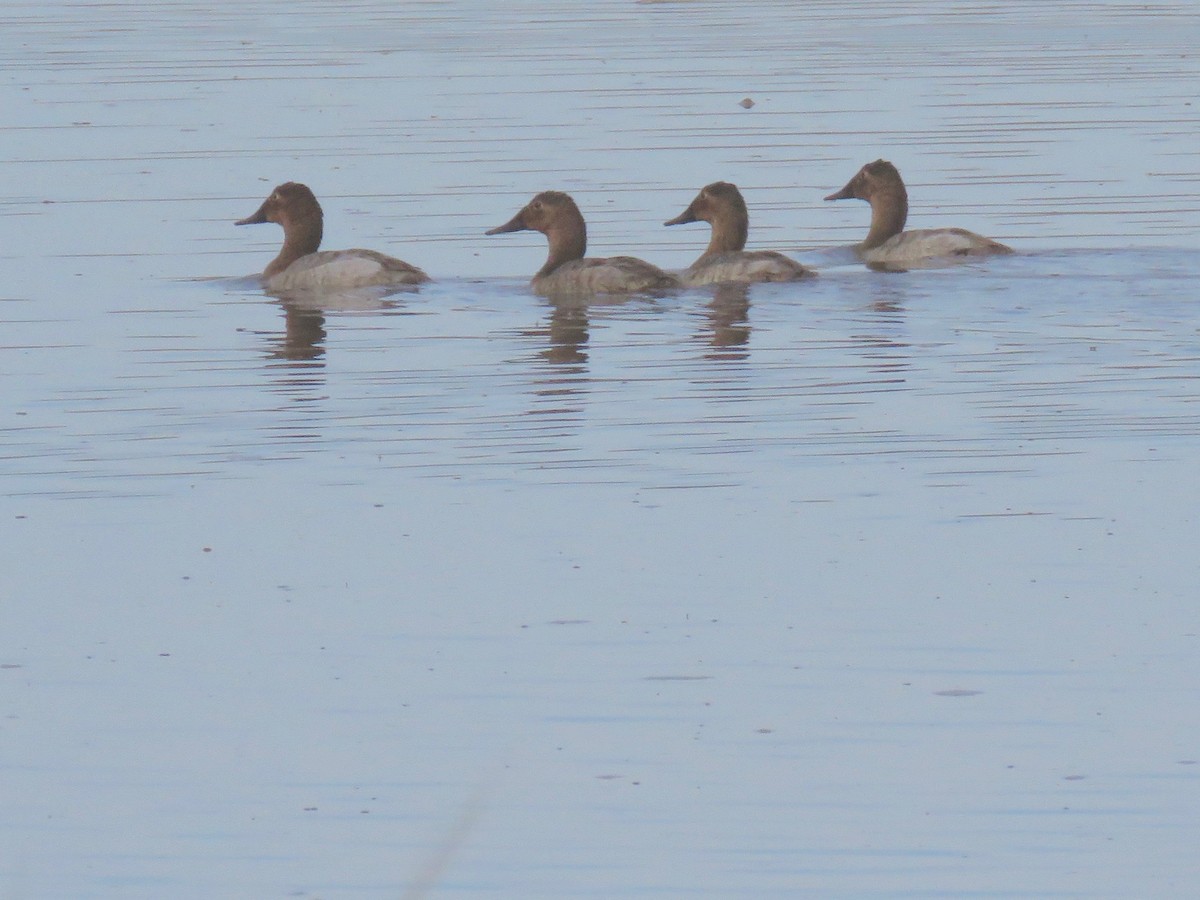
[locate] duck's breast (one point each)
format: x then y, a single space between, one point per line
745 266
615 275
337 269
932 244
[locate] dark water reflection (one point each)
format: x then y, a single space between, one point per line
728 321
566 333
305 314
303 337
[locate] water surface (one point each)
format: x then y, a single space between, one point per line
878 585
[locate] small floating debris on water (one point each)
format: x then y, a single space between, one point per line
746 103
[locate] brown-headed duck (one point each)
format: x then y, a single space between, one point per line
721 205
300 267
555 215
888 245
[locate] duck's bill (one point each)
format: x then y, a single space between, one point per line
688 215
516 223
257 219
844 194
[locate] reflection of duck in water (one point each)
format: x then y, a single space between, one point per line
728 317
567 331
303 339
888 245
304 317
566 271
726 259
300 266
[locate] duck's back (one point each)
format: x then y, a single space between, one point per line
931 244
744 266
615 275
335 269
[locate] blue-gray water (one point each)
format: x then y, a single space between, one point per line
871 586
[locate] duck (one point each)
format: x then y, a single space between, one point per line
301 266
566 271
722 206
888 245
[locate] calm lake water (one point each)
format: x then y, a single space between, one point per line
878 585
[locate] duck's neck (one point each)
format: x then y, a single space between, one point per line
568 241
728 235
300 238
889 212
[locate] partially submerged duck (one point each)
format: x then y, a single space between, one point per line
726 259
888 245
566 271
300 267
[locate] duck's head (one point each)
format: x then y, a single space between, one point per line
548 212
719 200
288 203
555 215
872 179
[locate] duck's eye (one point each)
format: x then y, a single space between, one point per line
536 205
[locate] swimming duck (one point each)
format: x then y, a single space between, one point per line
300 267
721 205
566 271
888 245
